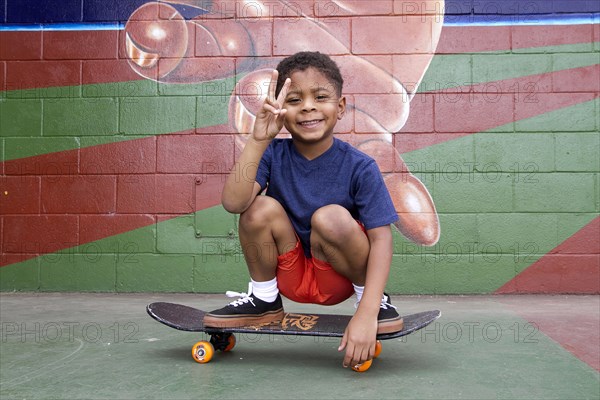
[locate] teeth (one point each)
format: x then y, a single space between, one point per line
313 122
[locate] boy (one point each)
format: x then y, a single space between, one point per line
322 232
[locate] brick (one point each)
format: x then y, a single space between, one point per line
457 153
155 273
579 233
219 273
563 274
2 76
577 151
576 193
136 194
411 274
79 194
80 117
176 234
445 72
195 153
473 275
459 191
596 34
410 70
421 117
533 69
330 9
52 156
519 153
175 194
583 79
39 234
368 74
19 118
136 156
19 195
85 45
233 38
117 233
23 276
430 7
472 112
293 35
65 271
380 113
507 232
405 35
22 75
155 115
21 45
474 39
215 221
562 112
212 111
529 38
114 78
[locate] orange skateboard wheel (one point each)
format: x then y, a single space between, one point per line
230 343
377 349
363 367
203 352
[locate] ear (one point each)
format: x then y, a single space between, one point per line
341 107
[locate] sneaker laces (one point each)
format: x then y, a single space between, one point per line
244 297
384 303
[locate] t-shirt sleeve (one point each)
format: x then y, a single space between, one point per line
264 168
373 200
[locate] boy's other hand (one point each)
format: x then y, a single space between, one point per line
269 119
359 340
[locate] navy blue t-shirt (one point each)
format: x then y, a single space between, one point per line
342 175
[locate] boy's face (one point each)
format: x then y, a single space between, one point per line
313 106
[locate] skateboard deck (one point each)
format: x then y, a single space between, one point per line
190 319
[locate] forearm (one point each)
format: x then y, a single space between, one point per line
378 269
239 188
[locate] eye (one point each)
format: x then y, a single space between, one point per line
293 100
322 97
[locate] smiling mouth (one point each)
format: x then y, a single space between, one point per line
311 123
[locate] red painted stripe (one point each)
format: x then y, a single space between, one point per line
157 175
469 39
92 57
450 114
571 267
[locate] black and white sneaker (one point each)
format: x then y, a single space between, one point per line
246 311
388 320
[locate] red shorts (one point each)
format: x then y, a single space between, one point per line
310 280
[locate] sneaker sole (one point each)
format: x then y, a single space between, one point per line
237 321
390 326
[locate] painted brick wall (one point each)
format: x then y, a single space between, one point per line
111 170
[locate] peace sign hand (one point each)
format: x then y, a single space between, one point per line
269 119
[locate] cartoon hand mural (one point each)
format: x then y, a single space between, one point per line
159 47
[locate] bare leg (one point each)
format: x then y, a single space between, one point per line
339 240
265 233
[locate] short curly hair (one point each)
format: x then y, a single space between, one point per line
307 59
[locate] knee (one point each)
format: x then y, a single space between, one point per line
333 223
260 212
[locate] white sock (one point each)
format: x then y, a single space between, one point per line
359 292
266 291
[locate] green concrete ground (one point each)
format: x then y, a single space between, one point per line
101 346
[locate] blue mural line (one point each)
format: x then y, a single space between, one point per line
450 20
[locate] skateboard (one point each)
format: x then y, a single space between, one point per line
185 318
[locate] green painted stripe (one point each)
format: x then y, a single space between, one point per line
455 70
59 124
